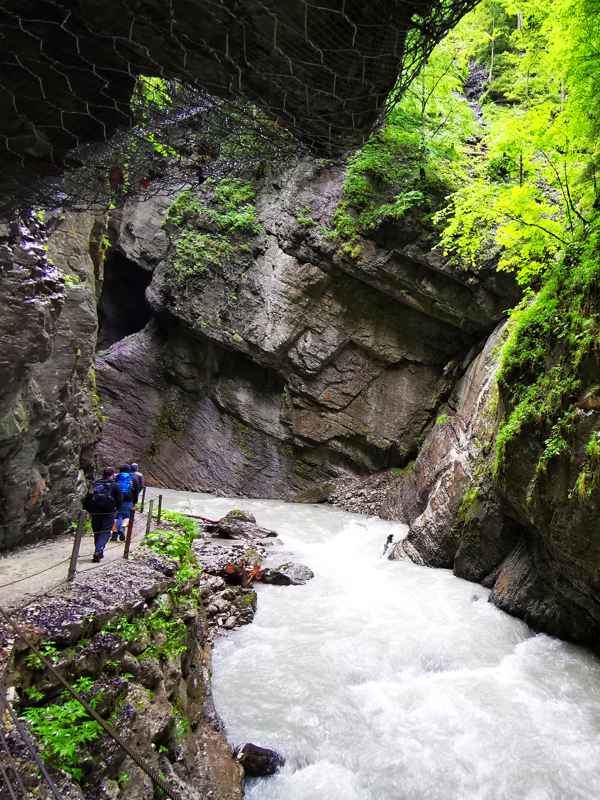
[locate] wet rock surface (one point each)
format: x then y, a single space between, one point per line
48 421
238 525
259 762
524 536
235 556
286 575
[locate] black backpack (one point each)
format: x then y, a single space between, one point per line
102 499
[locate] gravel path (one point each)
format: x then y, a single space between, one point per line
51 559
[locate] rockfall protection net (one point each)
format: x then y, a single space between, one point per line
313 73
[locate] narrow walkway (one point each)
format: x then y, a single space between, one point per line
47 563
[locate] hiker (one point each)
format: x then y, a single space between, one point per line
139 476
102 503
129 489
388 542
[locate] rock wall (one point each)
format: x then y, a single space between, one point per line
290 364
48 405
524 533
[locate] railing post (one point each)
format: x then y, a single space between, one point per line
159 509
149 517
76 546
129 533
143 499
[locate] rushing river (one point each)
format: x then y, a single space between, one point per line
382 680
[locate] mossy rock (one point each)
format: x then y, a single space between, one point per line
243 516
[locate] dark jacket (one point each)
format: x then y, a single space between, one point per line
113 492
139 476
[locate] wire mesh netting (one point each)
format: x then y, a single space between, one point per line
318 74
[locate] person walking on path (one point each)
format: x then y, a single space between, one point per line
129 489
102 503
139 476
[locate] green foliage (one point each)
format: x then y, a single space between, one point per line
467 504
49 650
177 543
592 448
197 252
533 189
152 93
65 728
172 630
588 479
442 419
552 338
416 158
34 694
304 217
209 235
123 779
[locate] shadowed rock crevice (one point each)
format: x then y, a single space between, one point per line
123 308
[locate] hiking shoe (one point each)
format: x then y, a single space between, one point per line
121 537
114 538
96 557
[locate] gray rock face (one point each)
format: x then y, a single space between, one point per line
48 406
526 536
287 366
287 575
264 53
434 496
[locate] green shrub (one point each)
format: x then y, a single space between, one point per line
65 729
542 368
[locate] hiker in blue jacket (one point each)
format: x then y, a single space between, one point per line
129 488
102 503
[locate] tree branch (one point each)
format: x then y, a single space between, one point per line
539 227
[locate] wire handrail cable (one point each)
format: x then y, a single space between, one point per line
106 726
34 754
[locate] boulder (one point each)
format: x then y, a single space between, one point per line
233 527
286 575
259 761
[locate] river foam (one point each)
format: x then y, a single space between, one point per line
382 680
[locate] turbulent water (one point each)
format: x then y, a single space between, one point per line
382 680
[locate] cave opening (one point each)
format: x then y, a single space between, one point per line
123 308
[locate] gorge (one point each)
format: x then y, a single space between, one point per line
408 330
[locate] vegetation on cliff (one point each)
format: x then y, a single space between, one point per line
496 145
209 229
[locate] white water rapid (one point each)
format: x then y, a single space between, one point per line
382 680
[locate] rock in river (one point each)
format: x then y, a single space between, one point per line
259 761
287 574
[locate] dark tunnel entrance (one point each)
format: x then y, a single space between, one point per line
123 308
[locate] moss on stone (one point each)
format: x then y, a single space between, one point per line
208 231
170 424
548 360
468 503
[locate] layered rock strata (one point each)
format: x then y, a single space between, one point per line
48 404
524 532
290 364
